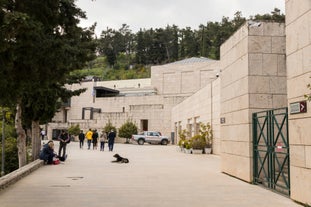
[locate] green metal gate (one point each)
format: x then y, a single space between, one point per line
271 150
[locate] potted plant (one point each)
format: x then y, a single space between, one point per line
181 145
198 144
182 138
207 133
188 146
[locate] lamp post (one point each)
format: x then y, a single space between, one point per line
3 143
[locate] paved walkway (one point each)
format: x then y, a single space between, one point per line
157 176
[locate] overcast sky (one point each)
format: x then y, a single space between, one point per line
159 13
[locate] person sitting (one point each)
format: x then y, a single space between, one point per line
48 155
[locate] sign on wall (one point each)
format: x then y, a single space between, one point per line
298 107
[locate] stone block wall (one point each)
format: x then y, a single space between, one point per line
203 106
154 108
183 78
253 78
298 51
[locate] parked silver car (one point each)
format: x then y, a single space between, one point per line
151 137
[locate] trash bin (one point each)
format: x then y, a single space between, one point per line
173 137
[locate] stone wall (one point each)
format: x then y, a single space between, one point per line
298 51
156 109
203 106
183 78
253 78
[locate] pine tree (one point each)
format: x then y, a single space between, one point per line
42 45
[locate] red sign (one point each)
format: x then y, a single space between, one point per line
303 106
279 147
298 107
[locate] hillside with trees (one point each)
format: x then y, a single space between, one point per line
123 54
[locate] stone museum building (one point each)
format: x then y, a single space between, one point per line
253 97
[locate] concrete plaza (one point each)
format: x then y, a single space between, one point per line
157 176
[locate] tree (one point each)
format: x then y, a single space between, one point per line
127 130
274 16
189 43
108 127
140 48
42 44
74 130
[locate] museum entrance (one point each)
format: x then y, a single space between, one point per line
144 124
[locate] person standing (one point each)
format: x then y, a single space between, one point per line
63 140
103 139
81 139
95 139
111 138
42 133
88 136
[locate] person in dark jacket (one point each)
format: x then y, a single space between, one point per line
81 139
95 139
111 137
63 140
47 153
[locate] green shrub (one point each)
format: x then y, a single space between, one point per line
188 144
74 130
11 155
127 130
108 127
198 142
207 133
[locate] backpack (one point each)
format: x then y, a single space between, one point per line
68 139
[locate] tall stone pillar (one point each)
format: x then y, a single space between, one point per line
253 79
298 51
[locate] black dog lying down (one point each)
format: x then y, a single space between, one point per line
120 159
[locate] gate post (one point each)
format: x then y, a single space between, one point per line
255 149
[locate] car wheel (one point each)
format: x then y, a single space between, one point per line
164 142
140 141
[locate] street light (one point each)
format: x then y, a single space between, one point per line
3 143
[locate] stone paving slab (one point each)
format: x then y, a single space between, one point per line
157 176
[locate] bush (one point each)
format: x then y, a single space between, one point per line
182 137
198 142
108 127
74 130
207 133
127 130
188 144
11 155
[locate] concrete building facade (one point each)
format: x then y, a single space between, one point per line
298 52
146 102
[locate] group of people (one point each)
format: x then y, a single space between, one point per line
50 157
92 137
